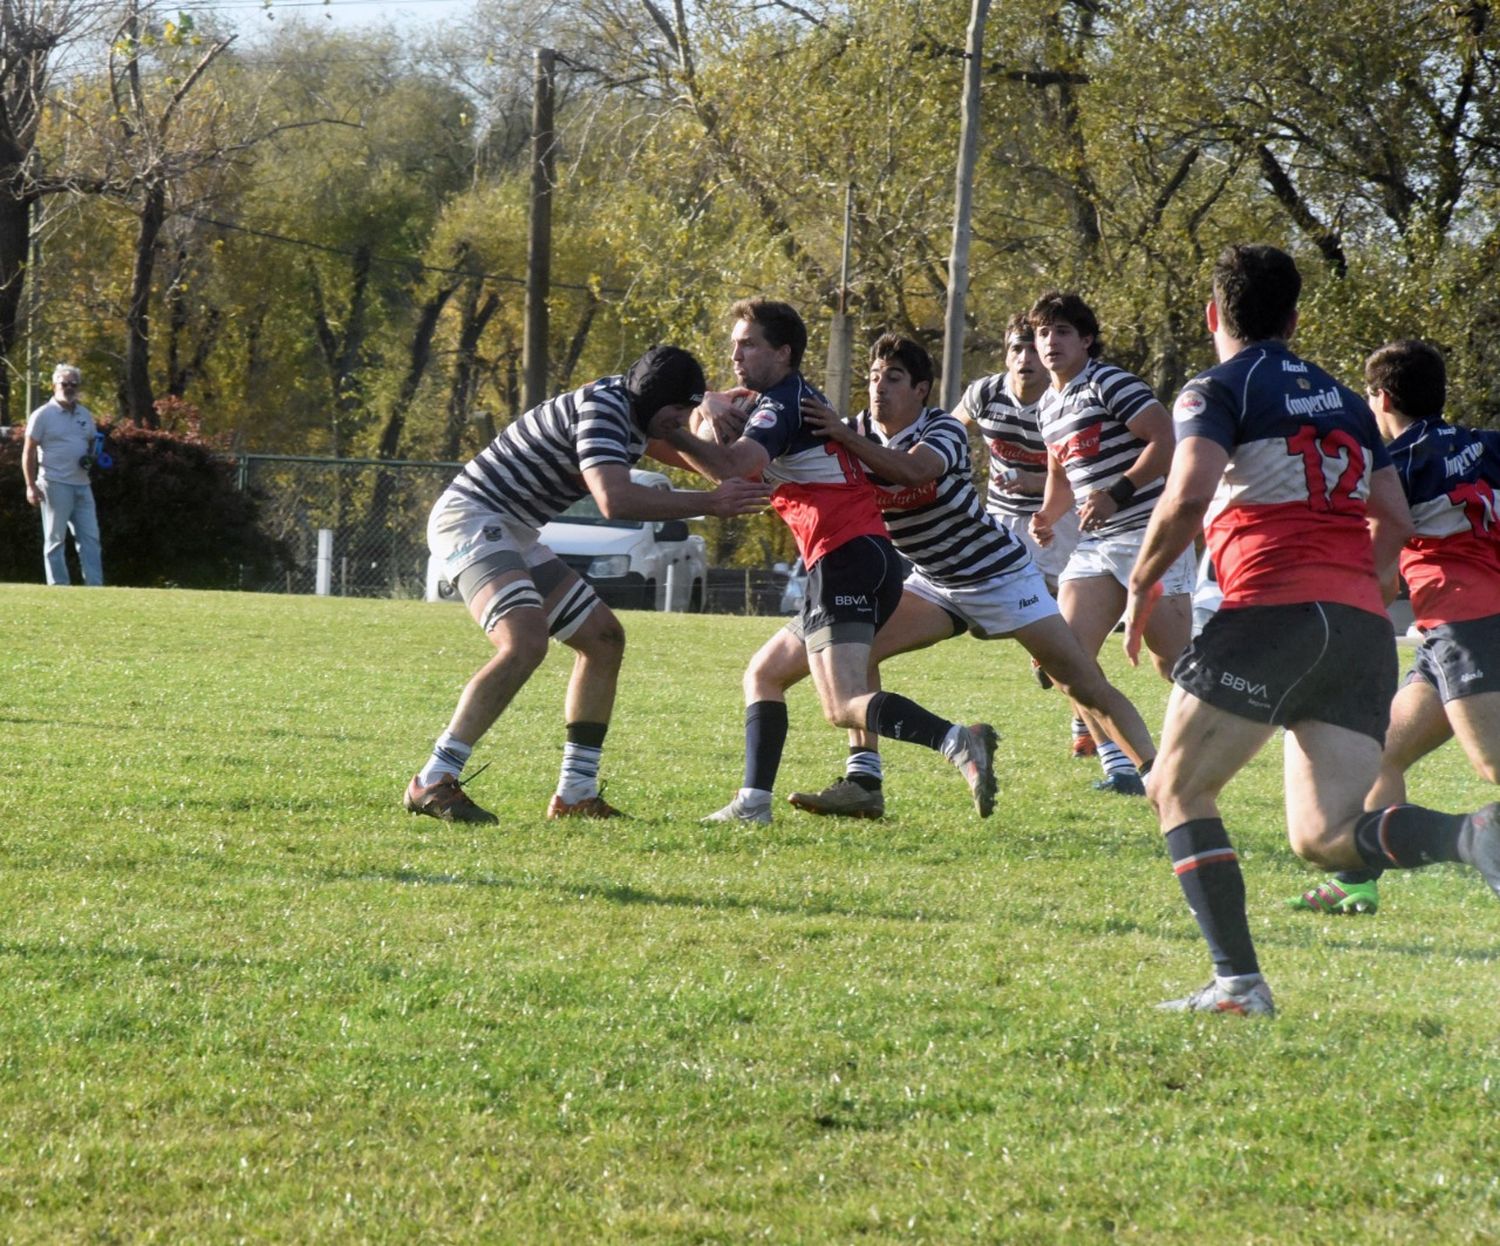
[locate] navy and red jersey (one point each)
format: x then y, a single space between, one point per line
1287 524
1086 426
1452 564
819 488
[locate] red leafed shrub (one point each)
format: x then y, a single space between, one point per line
169 514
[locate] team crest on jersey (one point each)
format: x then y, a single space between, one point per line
764 417
1084 444
1190 403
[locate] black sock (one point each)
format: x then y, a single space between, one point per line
1349 877
1209 872
1407 837
765 736
894 716
590 735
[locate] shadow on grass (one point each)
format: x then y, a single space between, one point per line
625 893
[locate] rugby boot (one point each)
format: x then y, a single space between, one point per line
1479 844
588 807
1338 898
1122 783
844 799
445 800
1225 995
741 810
974 755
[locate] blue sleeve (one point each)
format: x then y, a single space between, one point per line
1204 408
772 426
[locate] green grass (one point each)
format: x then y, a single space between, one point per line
247 997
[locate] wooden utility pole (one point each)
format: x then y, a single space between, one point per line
963 205
539 242
841 331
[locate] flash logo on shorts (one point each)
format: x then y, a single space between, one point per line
1027 602
1241 684
1470 677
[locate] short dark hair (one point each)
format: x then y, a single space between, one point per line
1255 289
779 322
1413 373
1055 306
910 355
1019 325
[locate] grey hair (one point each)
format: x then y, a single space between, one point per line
64 371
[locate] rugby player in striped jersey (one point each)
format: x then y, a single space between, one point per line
970 573
484 529
1109 444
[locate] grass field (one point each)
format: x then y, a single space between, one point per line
247 997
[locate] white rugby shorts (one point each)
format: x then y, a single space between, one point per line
1115 556
995 607
1050 558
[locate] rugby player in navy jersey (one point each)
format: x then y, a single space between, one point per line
854 574
1003 407
969 572
484 529
1109 444
1305 520
1452 567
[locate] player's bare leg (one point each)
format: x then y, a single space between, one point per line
1202 748
775 667
1092 606
1476 722
915 624
519 638
841 675
599 646
1081 678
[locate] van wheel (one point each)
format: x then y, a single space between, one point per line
648 595
695 598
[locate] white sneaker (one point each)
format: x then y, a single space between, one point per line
1253 1000
738 810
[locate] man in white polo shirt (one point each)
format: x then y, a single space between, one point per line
55 460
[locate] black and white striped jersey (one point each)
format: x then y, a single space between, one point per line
1013 437
1085 427
942 526
533 470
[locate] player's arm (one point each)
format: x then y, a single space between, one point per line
1153 425
29 468
619 497
1176 519
914 466
708 458
1391 527
1057 499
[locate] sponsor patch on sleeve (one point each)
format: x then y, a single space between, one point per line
1190 404
764 417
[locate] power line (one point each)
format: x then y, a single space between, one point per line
393 261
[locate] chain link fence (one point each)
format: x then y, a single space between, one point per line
372 512
372 517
